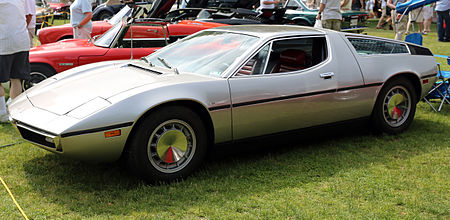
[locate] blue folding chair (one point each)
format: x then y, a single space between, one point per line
441 89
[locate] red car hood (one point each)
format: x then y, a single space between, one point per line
57 5
67 46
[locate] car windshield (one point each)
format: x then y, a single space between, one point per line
107 38
125 11
206 53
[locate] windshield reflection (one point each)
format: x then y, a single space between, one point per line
107 38
206 53
124 12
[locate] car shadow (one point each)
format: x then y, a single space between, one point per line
267 164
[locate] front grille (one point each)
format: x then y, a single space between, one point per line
35 137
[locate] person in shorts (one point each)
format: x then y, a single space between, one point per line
80 19
30 15
399 25
385 14
14 47
415 16
330 14
427 18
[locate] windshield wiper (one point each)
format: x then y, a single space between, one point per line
163 61
147 61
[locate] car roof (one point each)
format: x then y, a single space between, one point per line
273 30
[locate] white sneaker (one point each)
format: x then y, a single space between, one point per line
4 118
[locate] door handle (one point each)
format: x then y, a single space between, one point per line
327 75
152 30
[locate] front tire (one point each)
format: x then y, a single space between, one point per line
39 72
395 107
169 145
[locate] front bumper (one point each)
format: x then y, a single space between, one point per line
53 132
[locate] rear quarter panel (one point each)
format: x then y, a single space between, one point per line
379 68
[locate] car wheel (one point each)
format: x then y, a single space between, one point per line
395 107
302 23
65 38
169 144
38 73
104 15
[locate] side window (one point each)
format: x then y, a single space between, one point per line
372 46
287 55
257 63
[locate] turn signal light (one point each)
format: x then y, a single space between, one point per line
113 133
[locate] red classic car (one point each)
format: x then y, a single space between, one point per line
119 42
61 32
57 33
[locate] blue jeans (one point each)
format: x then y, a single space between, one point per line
443 34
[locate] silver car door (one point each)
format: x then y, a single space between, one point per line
268 97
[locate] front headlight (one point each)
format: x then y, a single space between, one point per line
89 108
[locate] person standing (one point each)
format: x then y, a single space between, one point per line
80 19
443 15
385 14
427 18
414 16
267 7
30 15
14 48
346 5
330 14
358 5
399 26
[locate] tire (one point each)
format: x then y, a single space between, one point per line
395 107
39 72
104 15
65 38
302 23
169 145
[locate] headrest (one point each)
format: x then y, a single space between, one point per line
293 56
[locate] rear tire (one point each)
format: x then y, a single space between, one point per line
39 72
104 15
395 107
302 23
169 145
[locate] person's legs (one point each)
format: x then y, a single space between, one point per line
400 29
3 113
337 25
446 16
16 88
5 63
440 25
326 24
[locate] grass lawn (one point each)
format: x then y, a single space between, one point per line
339 172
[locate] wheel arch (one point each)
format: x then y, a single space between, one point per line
299 19
43 64
64 37
413 78
197 107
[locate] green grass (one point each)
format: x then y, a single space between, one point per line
339 172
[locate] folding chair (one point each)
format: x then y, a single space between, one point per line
441 89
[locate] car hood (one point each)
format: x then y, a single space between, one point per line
73 88
66 46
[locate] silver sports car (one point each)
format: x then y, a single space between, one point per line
162 112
